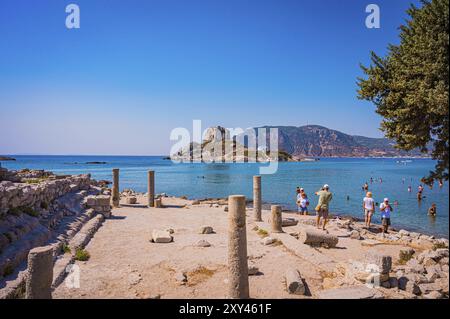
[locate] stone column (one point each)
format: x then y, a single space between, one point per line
257 198
115 188
238 287
151 188
40 273
276 219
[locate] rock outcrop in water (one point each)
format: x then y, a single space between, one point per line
218 145
294 143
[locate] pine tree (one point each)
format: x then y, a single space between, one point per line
409 86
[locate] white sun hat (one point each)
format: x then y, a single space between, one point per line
386 199
326 186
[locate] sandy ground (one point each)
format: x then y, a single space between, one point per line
125 264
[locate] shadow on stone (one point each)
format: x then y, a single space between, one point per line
117 217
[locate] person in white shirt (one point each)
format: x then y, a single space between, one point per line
369 208
386 210
304 203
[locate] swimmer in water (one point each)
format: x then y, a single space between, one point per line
432 210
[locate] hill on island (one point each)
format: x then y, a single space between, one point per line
319 141
294 143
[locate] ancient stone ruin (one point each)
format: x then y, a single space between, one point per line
39 208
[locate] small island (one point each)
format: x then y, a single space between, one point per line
6 158
87 163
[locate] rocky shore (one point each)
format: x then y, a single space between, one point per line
182 248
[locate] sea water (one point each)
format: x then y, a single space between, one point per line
391 178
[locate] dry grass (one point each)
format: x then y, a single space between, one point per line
199 275
262 233
277 243
404 257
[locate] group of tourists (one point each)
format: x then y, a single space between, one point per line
368 205
322 206
369 209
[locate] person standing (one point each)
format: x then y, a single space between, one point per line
298 199
304 203
419 192
386 210
369 208
323 205
432 210
365 187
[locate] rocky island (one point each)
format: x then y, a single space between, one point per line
303 143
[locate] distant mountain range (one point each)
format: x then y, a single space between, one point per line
319 141
294 143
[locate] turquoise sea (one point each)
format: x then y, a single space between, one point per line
344 175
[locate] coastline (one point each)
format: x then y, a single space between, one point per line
219 180
177 248
343 216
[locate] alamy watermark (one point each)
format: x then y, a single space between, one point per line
226 145
73 17
373 19
72 280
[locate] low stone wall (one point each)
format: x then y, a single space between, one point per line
42 209
100 204
33 196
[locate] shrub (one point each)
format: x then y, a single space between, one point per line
82 255
30 211
439 245
66 248
277 243
405 256
262 232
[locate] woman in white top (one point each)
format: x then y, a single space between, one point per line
369 208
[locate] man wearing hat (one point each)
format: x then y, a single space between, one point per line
322 207
386 210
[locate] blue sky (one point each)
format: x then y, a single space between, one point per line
137 69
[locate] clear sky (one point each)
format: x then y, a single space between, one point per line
137 69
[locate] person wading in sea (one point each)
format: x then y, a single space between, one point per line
432 210
322 207
419 192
